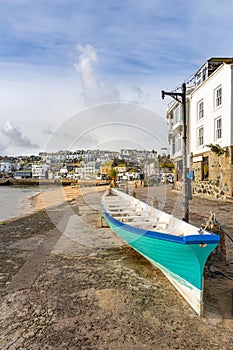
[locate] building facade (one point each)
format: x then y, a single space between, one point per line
6 166
39 171
210 130
86 171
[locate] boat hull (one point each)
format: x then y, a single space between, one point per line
182 262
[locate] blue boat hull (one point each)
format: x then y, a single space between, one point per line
181 259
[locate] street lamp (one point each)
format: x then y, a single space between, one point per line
181 98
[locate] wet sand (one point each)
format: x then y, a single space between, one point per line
55 197
68 283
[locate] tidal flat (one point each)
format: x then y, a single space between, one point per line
66 282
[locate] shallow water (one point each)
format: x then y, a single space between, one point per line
14 201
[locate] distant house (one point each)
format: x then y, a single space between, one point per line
5 166
86 170
132 174
151 168
106 167
39 171
121 170
22 174
63 171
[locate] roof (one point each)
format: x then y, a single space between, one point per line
221 59
217 61
109 163
121 165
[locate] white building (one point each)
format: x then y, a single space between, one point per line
210 129
211 107
39 171
63 171
5 166
86 171
175 130
151 168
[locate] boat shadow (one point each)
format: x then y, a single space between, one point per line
218 293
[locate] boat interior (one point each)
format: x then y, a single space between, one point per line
133 212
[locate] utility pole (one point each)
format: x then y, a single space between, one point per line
181 98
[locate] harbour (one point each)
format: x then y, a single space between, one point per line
17 196
116 175
83 280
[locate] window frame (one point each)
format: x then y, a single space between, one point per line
200 144
178 143
218 97
200 111
177 115
217 129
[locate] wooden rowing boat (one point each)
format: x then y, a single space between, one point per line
178 249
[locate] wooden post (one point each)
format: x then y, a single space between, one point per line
103 223
222 246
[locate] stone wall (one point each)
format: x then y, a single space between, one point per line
219 182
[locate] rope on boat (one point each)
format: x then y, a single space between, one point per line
210 224
211 221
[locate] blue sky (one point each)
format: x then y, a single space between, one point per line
59 58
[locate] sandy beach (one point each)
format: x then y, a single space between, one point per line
62 194
68 283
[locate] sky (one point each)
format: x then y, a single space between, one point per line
89 74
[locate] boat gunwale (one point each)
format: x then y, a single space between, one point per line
209 238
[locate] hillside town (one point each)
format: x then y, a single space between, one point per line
87 165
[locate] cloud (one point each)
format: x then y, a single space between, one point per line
15 136
94 90
84 66
139 96
108 125
3 148
148 38
136 49
48 131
